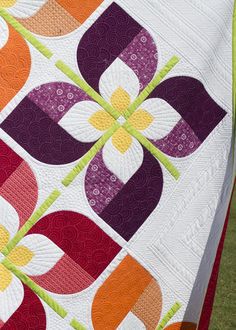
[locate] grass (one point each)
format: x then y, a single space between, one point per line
224 310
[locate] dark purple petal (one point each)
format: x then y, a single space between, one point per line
189 97
136 200
40 136
104 41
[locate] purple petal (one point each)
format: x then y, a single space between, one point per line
56 98
101 185
180 142
136 200
40 136
141 56
189 97
115 33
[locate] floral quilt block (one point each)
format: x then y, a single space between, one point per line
116 160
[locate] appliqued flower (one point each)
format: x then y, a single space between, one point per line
131 297
64 252
118 58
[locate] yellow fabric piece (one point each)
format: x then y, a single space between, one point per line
101 120
20 256
4 237
7 3
121 140
141 119
120 100
5 278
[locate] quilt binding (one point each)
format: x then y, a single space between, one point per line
45 51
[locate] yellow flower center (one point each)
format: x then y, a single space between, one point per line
4 237
120 100
19 256
121 140
5 278
140 120
101 120
7 3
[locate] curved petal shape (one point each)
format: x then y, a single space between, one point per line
45 254
35 124
119 76
80 9
82 121
164 118
190 99
15 63
123 165
180 142
18 184
124 206
127 289
115 34
9 222
11 298
101 185
86 251
29 315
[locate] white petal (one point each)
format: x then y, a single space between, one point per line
118 74
46 254
4 33
26 8
165 118
9 217
131 322
76 121
123 165
11 299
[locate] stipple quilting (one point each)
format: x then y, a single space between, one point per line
120 126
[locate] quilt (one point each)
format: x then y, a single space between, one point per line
117 143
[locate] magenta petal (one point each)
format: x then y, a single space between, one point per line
141 56
101 185
180 142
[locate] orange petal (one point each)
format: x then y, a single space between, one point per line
120 293
182 326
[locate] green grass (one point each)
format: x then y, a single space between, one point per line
224 310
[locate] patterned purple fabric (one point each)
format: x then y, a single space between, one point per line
141 56
180 142
101 186
56 98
